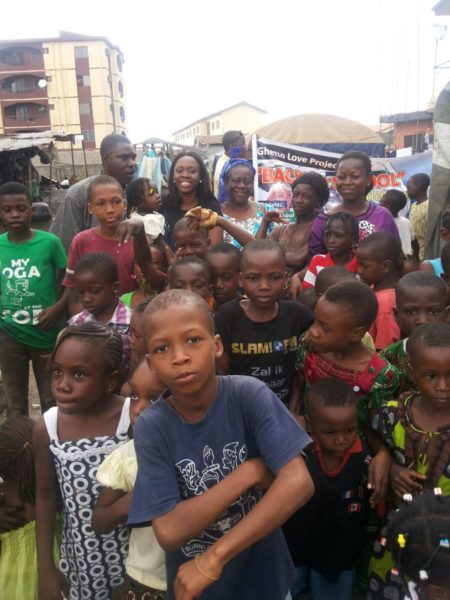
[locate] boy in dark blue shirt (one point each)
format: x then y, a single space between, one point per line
204 452
325 535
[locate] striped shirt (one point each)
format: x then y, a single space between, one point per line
120 322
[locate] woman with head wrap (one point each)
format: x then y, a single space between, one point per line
237 178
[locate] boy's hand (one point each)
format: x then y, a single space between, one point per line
201 217
52 585
295 287
406 481
179 253
273 216
49 317
127 229
195 576
379 475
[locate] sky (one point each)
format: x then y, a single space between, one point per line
185 59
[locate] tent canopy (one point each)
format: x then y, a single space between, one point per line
327 132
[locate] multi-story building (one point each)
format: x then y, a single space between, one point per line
243 116
73 83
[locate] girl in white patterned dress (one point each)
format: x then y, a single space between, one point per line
71 441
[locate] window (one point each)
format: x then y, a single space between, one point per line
217 124
83 81
122 113
49 78
120 86
18 85
26 111
89 135
81 52
119 63
416 142
51 107
12 58
44 50
85 108
35 55
22 113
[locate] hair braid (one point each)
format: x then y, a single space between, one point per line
17 455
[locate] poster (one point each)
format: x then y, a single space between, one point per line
278 165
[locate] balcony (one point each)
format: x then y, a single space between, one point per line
21 58
22 114
22 86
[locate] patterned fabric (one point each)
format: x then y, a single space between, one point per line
375 218
251 225
395 354
93 564
419 220
373 387
120 322
428 453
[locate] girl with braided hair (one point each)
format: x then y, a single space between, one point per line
71 440
18 571
418 536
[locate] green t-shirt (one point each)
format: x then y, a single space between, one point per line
28 278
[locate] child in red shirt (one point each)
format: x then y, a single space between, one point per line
379 261
106 202
340 236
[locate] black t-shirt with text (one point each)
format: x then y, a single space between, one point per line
264 350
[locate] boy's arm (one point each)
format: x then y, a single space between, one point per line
190 517
296 399
51 582
298 392
238 233
379 468
110 510
291 489
135 228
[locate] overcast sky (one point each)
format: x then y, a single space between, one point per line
185 59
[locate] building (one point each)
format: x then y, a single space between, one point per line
72 83
243 116
410 130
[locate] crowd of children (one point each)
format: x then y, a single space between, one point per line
259 419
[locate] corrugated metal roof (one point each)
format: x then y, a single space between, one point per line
20 141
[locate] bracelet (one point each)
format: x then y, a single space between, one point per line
199 569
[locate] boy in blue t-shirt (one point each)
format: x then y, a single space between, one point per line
205 451
32 264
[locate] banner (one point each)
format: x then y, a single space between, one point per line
278 165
